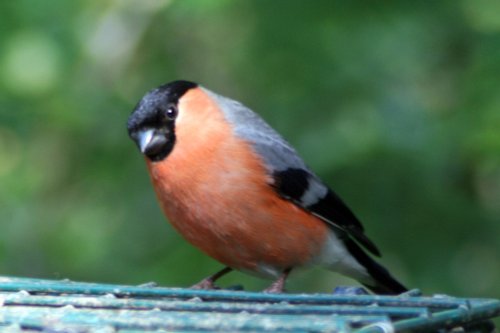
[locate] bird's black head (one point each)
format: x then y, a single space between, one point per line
152 123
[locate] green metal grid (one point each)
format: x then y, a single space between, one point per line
33 305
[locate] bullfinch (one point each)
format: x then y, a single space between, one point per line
234 188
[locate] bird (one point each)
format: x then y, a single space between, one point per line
237 190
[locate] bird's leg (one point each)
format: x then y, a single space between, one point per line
278 286
208 283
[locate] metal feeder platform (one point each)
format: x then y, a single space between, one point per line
50 306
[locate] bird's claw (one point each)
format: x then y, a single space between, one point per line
205 284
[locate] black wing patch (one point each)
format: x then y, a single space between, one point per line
291 183
294 183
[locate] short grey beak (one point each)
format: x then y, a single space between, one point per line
150 142
145 138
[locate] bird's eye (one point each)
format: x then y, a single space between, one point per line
171 112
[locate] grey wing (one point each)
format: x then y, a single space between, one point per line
293 180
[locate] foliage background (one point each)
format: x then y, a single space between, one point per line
396 106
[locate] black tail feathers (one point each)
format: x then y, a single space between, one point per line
384 284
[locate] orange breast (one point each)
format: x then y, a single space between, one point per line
215 191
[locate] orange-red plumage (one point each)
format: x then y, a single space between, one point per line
218 197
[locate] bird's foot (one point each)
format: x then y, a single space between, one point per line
209 282
205 284
275 288
278 286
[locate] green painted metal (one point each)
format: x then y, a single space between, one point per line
33 305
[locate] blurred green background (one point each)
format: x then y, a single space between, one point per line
396 106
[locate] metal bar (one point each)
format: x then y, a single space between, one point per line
443 320
56 287
196 305
41 318
451 318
